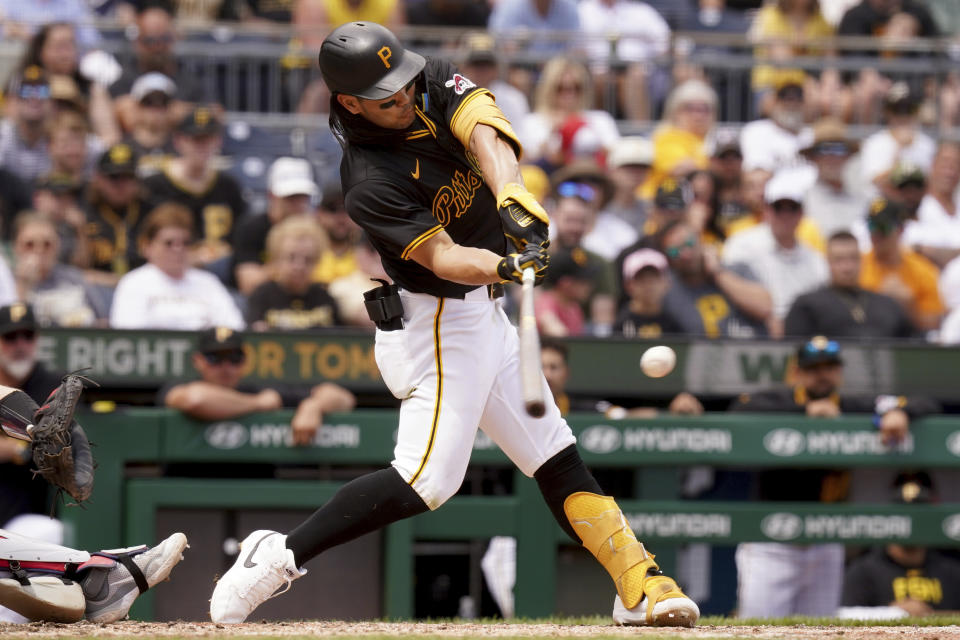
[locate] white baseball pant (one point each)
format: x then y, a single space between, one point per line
455 366
777 580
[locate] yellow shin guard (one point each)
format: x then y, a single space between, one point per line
605 533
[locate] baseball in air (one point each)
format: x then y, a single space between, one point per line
658 361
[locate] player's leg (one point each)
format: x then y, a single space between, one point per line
436 368
768 575
822 580
16 412
50 582
545 449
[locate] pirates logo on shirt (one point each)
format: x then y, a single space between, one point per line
459 84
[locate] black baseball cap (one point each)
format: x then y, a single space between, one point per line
219 340
885 216
913 487
573 263
901 99
119 160
905 173
15 317
818 350
674 195
201 121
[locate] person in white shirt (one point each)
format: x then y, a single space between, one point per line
830 202
786 267
641 34
901 141
167 293
774 143
936 231
949 286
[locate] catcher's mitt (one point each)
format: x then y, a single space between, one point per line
61 451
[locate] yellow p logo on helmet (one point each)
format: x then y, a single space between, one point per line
385 54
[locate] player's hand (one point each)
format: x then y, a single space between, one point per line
303 429
823 408
269 400
685 403
511 267
916 608
523 219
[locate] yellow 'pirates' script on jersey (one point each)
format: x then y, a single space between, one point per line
454 199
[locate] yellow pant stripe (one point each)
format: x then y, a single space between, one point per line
436 405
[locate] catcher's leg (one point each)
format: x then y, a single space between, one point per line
33 580
644 595
16 412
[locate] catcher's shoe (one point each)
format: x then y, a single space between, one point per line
42 597
110 594
262 567
663 605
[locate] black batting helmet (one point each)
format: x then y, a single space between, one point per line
366 60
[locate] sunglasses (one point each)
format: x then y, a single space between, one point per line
883 228
27 335
152 41
675 250
830 348
34 92
832 149
787 206
577 190
233 357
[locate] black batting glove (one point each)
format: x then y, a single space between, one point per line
523 219
511 267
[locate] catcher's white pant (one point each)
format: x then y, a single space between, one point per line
34 536
777 580
455 366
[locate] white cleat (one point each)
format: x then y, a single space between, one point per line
671 612
262 567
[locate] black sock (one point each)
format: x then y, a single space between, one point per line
560 476
359 507
16 410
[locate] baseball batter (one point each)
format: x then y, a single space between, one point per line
430 172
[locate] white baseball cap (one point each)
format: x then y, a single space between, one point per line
291 177
152 82
632 150
784 185
641 258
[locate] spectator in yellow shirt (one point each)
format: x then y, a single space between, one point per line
901 273
680 143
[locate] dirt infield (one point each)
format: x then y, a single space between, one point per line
459 630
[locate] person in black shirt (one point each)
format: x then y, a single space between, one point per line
871 18
151 122
843 309
645 278
20 369
289 300
290 188
780 579
430 172
114 211
919 580
192 179
220 394
15 196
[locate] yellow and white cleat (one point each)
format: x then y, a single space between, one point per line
663 605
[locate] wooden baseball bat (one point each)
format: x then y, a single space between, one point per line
530 369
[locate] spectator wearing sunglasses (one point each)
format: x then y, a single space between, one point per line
707 298
830 203
781 579
19 368
23 139
773 252
57 292
842 308
166 292
220 393
897 271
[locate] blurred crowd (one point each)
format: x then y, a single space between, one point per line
119 206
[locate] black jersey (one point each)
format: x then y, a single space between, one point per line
215 210
112 236
403 187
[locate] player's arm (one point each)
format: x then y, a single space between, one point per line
476 266
524 219
324 398
206 401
